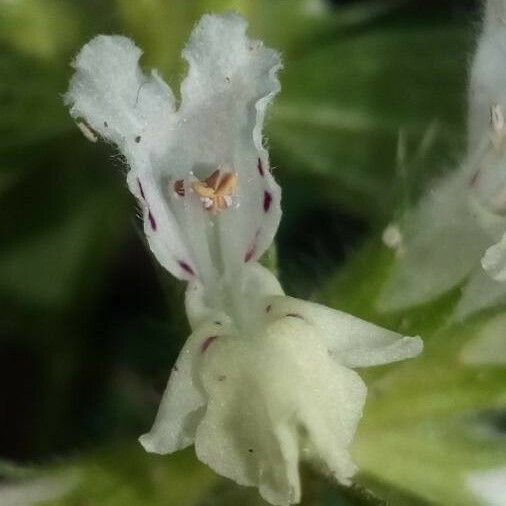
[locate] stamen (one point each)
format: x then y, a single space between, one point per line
213 179
216 191
227 184
179 188
208 203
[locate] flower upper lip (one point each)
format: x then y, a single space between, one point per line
215 136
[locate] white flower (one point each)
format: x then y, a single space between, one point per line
488 486
264 380
39 490
455 233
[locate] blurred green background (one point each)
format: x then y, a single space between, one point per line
372 109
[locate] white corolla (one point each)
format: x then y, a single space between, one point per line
264 380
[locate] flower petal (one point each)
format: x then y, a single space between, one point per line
488 75
444 245
182 405
479 293
246 303
248 297
333 426
28 492
489 486
123 105
269 395
230 82
115 98
351 341
494 260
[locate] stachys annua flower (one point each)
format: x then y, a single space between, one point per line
457 234
264 380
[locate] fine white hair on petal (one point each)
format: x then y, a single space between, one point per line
494 260
183 402
488 486
351 341
269 397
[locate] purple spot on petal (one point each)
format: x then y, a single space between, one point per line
267 201
207 342
294 315
268 308
175 369
260 168
140 188
152 221
249 254
186 267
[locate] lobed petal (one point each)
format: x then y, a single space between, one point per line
272 396
120 103
351 341
116 99
230 82
183 402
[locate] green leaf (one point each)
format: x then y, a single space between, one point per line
62 225
44 29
